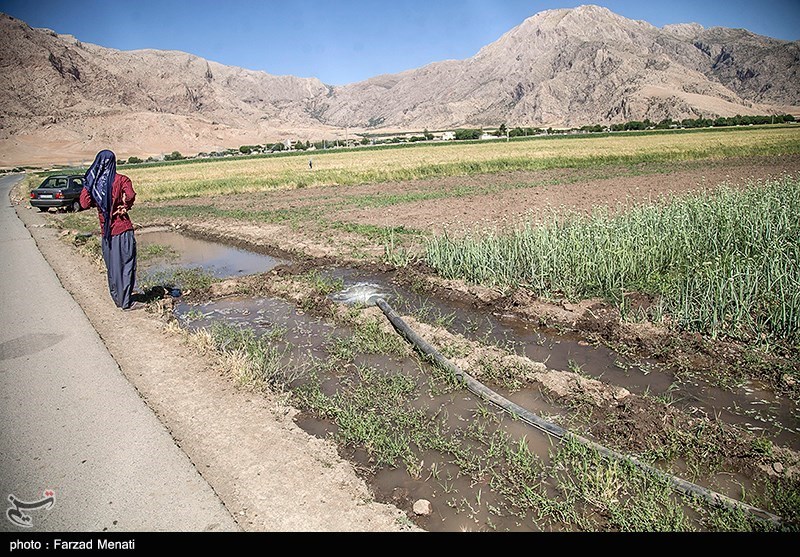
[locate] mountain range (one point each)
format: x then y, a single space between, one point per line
62 100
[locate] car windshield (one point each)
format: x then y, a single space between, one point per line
55 183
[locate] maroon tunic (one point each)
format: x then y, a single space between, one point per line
119 223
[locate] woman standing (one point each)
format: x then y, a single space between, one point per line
113 196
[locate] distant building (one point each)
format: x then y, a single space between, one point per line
448 136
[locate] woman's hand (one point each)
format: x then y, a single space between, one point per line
122 209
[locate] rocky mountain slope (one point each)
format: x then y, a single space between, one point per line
583 66
62 99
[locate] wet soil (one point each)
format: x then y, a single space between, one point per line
632 423
307 336
751 405
270 474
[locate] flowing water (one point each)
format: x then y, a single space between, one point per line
305 339
750 405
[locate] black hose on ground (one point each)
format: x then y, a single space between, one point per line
554 430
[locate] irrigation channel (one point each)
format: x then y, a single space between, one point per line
479 467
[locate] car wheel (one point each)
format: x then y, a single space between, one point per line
76 206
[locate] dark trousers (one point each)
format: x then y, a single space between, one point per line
119 253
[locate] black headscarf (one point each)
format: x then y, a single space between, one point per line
99 180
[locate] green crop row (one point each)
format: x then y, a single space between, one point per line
722 262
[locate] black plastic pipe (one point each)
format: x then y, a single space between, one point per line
554 430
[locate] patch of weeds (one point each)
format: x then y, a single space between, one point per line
288 216
470 327
783 495
275 333
419 285
766 364
434 315
395 254
577 368
666 398
372 411
519 476
150 252
192 315
762 446
454 350
444 321
625 497
260 363
506 376
351 315
440 381
85 221
728 520
310 304
581 410
90 246
700 446
321 284
368 337
341 349
194 278
404 521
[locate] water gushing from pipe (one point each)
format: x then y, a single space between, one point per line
361 293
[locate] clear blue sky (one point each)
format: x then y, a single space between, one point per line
343 41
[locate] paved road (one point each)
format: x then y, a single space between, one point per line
70 422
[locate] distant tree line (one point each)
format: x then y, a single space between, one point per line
471 134
720 122
635 125
468 134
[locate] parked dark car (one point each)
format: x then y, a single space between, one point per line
58 191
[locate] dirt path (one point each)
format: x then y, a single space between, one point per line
271 475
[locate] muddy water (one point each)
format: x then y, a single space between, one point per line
262 315
220 260
751 405
458 502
